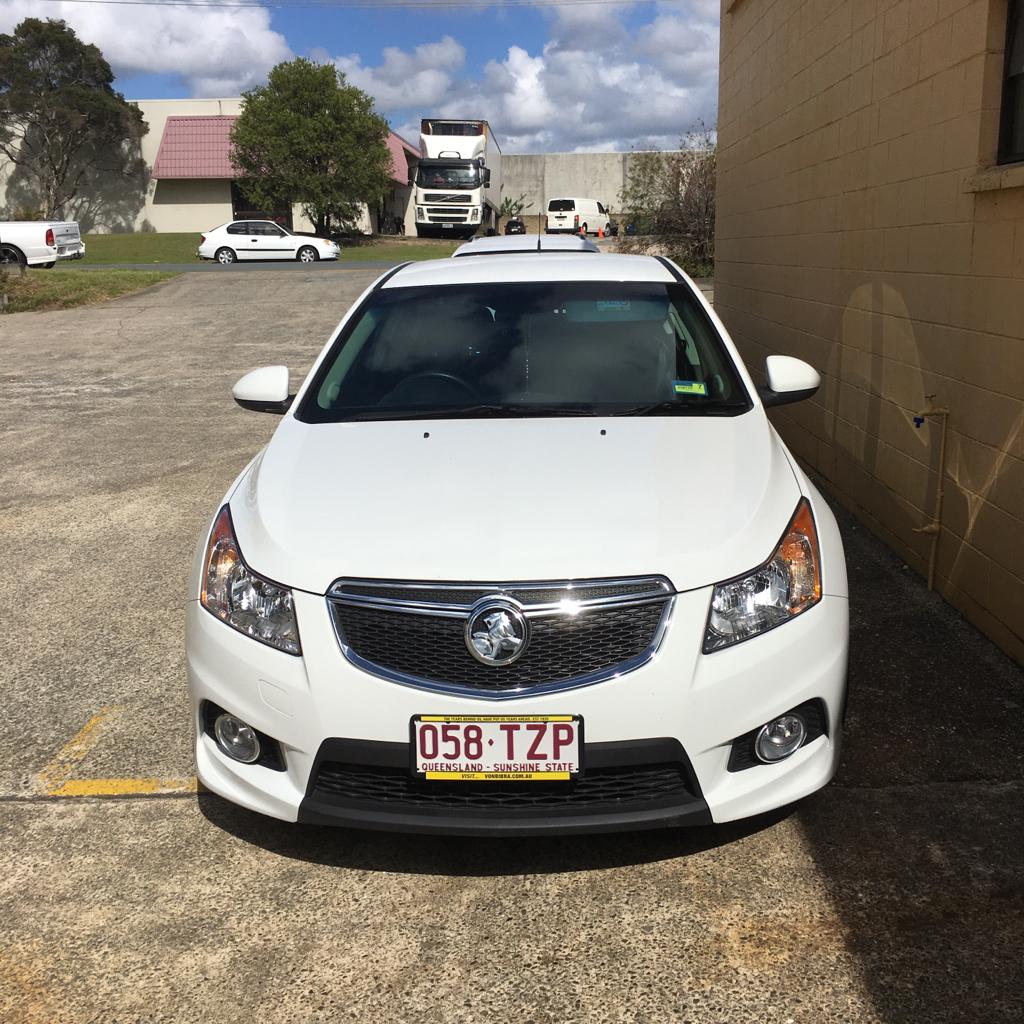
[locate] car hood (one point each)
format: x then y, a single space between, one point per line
698 500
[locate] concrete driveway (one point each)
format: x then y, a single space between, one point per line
895 895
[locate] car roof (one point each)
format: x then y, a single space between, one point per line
505 267
510 244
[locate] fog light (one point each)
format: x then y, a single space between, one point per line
236 739
777 740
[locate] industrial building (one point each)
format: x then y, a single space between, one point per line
871 221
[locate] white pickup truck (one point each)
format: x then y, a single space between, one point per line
40 242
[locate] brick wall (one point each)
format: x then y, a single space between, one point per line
860 228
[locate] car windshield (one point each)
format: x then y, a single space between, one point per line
447 177
577 348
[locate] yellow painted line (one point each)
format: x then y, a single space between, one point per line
56 772
124 787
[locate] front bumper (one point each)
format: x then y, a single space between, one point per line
320 704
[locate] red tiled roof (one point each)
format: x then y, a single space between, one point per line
195 147
399 164
199 147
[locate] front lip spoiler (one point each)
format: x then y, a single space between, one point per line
318 811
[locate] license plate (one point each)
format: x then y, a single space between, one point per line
447 225
497 748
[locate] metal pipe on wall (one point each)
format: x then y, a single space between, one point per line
935 526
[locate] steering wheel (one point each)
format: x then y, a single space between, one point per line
449 378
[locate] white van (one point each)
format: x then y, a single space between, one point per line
575 215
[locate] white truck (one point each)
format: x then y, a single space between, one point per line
457 188
40 243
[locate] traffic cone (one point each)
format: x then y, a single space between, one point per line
600 232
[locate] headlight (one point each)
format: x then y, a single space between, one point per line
419 213
236 595
786 585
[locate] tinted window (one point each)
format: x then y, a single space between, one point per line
570 348
561 205
601 209
1011 131
239 228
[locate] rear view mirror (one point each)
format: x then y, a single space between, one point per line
789 380
264 390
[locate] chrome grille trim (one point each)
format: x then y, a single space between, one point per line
638 591
446 197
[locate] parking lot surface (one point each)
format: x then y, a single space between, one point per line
894 895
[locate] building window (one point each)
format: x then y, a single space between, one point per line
1011 126
242 209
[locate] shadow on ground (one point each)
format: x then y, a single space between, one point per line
471 856
920 838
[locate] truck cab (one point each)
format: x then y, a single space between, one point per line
457 187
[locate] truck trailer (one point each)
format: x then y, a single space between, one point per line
457 188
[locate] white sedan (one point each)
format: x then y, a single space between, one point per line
525 556
263 240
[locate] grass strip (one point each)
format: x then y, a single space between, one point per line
180 247
41 290
144 247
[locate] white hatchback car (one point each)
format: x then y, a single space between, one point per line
263 240
525 556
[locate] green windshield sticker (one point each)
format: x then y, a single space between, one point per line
613 305
689 387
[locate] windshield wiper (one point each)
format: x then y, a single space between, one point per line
674 405
468 412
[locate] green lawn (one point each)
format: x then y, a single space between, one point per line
62 288
173 247
180 247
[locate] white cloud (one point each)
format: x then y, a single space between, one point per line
421 78
215 51
595 86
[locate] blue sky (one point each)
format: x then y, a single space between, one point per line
549 79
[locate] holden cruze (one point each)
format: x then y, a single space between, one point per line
525 556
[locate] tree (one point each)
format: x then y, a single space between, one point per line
513 207
671 202
307 137
61 124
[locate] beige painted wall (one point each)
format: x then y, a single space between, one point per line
183 204
860 227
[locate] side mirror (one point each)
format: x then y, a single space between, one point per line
264 390
412 181
789 380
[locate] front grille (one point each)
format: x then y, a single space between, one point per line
446 220
579 632
608 788
443 197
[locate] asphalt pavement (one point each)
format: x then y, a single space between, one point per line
893 896
276 266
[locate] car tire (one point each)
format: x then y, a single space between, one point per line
12 254
225 256
50 265
583 230
307 254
